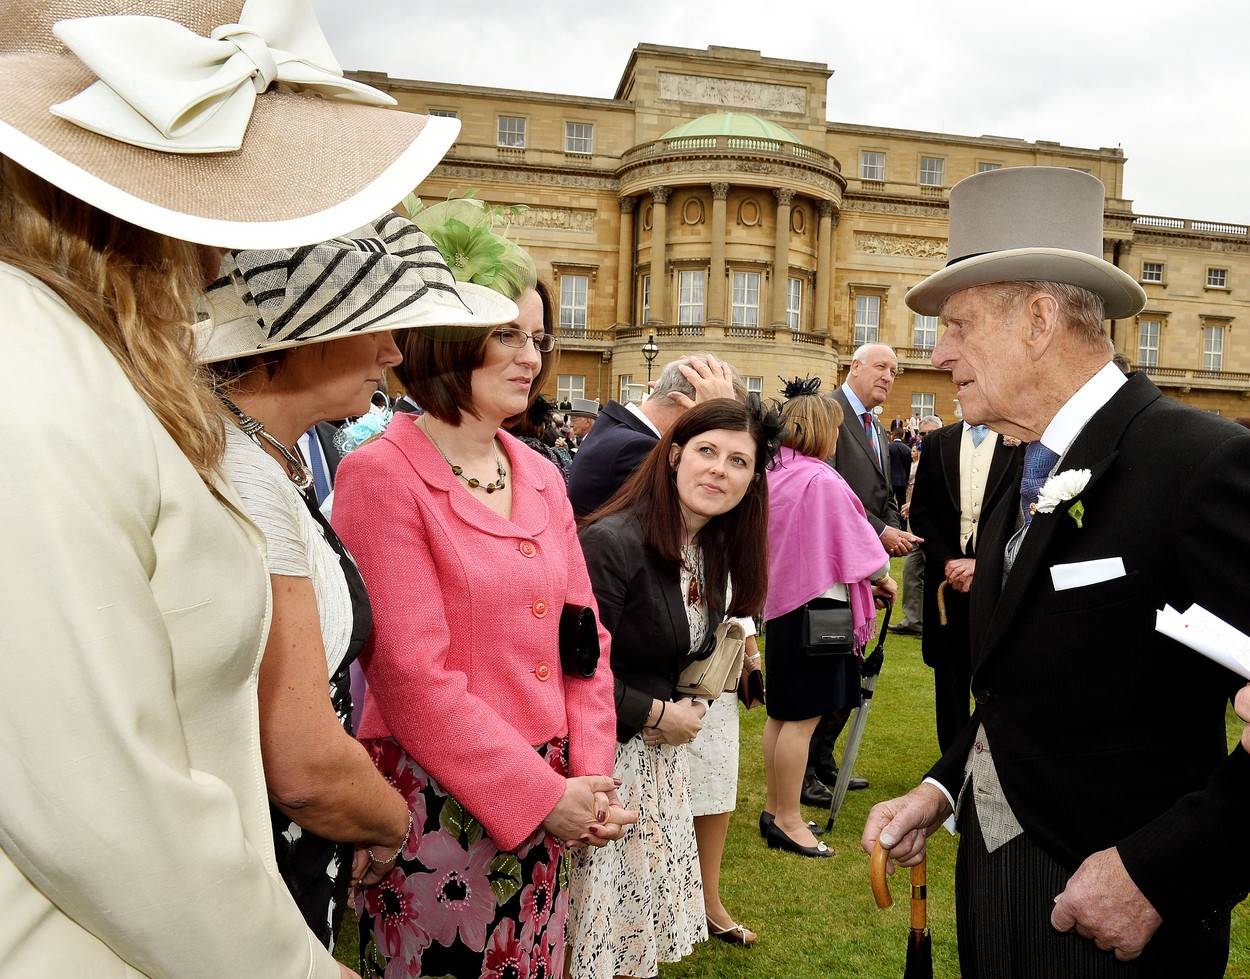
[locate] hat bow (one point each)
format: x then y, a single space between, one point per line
163 87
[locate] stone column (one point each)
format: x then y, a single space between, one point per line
716 268
824 267
659 257
781 258
625 262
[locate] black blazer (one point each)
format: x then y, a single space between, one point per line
900 466
613 448
641 605
1104 732
934 515
855 459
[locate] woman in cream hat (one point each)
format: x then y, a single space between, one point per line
134 835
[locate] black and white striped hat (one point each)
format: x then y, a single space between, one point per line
387 275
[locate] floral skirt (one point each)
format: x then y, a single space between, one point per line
455 905
639 902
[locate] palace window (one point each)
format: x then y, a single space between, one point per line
646 299
932 171
1148 343
573 291
872 164
1152 271
512 132
922 403
755 385
924 332
1217 278
690 296
579 137
570 386
746 299
625 382
445 113
867 319
1213 348
985 167
794 304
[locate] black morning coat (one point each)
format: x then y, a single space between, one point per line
613 448
868 477
934 515
1104 732
641 605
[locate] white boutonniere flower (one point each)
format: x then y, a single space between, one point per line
1060 488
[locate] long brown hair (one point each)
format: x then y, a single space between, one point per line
134 288
734 544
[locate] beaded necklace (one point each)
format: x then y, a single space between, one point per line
472 481
254 428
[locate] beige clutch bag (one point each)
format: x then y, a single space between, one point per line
717 672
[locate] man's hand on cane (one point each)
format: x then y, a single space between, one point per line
903 824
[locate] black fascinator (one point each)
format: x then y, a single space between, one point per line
767 417
796 387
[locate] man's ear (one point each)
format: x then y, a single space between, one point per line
1042 324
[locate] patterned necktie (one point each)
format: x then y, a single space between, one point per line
317 463
978 433
867 417
1038 462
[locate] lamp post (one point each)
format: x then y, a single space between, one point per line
650 350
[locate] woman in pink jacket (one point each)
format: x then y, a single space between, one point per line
466 541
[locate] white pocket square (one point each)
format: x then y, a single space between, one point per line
1065 576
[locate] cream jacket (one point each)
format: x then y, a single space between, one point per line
134 825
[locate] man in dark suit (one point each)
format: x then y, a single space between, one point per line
900 465
964 472
622 435
862 457
1094 781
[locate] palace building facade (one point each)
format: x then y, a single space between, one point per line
711 205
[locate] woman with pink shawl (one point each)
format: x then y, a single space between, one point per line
822 552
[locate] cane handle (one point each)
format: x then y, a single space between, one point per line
880 889
941 602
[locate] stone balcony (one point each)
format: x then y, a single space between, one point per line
1192 379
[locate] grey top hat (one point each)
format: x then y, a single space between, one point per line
1023 223
583 408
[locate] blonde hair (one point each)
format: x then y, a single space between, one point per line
811 425
134 288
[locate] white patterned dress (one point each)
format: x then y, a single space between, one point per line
639 902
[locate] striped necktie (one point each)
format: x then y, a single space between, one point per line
1038 462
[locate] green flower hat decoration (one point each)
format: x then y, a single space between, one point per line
464 229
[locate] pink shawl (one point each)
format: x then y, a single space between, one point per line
818 536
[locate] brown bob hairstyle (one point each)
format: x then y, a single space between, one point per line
735 544
811 425
437 372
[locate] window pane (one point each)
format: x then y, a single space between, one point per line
570 386
925 332
746 299
573 290
1148 343
578 137
794 303
1152 271
690 296
1213 348
983 167
932 171
646 298
922 403
1217 278
755 385
512 131
867 319
872 165
626 382
445 113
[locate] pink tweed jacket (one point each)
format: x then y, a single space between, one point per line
464 664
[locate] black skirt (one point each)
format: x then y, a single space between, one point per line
800 686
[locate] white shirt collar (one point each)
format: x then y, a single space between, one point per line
634 410
1080 408
853 399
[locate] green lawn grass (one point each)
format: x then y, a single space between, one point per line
817 918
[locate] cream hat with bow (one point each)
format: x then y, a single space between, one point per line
222 122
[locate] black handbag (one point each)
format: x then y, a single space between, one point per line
579 641
828 628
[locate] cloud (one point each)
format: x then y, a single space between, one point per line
1163 80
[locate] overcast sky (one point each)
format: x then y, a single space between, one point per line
1167 80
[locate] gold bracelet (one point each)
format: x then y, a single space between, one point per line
394 856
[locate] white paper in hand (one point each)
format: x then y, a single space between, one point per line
1207 634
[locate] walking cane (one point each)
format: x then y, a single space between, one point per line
868 683
919 944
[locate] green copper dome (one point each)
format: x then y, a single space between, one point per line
741 124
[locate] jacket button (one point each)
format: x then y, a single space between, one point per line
983 696
542 671
528 549
540 609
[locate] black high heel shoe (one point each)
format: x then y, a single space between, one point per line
766 820
777 840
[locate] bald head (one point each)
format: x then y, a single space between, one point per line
873 369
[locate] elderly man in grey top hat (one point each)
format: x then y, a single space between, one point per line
1101 814
581 415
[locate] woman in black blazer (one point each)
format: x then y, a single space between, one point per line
661 555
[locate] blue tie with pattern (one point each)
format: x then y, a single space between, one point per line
978 433
317 465
1038 462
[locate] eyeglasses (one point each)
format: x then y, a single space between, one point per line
544 343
